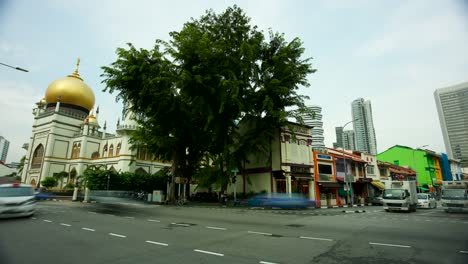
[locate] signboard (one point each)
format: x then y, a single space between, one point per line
300 169
157 196
324 157
181 180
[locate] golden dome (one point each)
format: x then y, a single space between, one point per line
71 90
91 119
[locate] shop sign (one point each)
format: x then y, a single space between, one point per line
300 169
326 177
324 157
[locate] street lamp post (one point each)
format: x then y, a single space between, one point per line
16 68
348 187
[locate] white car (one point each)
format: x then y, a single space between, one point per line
426 200
17 200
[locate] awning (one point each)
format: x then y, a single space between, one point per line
329 185
423 189
378 184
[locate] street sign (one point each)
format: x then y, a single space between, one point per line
181 180
235 171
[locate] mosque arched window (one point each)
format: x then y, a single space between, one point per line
74 150
117 152
37 157
111 150
78 150
104 150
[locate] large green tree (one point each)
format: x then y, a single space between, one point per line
190 94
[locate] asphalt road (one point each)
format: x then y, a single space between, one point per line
66 232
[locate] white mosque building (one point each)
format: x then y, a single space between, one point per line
66 137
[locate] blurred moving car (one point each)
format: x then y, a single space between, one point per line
281 200
16 200
426 200
42 194
377 200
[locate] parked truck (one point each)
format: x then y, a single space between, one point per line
400 196
455 196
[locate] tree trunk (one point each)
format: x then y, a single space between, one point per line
173 175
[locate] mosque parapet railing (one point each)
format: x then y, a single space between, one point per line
127 127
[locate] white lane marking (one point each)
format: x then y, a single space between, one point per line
157 243
152 220
217 228
260 233
33 218
92 212
180 224
117 235
389 245
64 224
209 252
463 252
48 221
130 217
316 238
88 229
266 262
463 222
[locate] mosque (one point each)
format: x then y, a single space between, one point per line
67 137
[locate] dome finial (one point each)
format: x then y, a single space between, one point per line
77 65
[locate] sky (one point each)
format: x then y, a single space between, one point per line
393 53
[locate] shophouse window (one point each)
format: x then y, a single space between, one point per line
370 169
325 169
339 163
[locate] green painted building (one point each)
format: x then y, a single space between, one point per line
421 161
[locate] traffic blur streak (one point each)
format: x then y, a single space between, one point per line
281 200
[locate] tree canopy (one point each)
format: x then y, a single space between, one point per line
190 94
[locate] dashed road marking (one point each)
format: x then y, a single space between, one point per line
463 252
217 228
33 218
152 220
130 217
88 229
260 233
266 262
180 224
48 221
316 238
64 224
157 243
117 235
92 212
389 245
209 252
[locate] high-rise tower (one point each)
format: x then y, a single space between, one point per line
452 106
317 124
364 132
